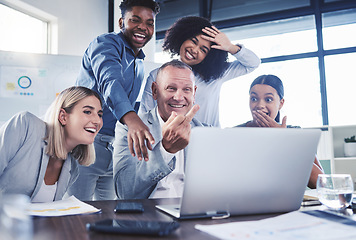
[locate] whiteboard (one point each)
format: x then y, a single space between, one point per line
30 82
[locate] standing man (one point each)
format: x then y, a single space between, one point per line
112 65
170 123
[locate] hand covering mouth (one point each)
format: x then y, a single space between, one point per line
91 130
260 111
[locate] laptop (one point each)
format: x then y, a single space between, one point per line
241 171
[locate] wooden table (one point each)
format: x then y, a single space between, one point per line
74 227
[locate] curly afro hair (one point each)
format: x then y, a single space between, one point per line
214 64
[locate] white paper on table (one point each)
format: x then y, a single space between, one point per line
69 206
311 193
294 225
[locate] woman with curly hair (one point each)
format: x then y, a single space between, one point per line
203 47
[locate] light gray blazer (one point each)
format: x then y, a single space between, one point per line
23 158
136 179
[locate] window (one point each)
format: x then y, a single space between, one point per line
302 104
341 88
319 79
339 29
21 32
160 55
277 47
300 77
276 38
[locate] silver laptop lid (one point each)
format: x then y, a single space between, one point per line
247 170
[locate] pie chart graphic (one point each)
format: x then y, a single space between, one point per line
24 82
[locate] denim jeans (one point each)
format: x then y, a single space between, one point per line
95 182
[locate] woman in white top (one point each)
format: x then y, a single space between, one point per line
203 47
39 158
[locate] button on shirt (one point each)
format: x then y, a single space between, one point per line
110 67
172 185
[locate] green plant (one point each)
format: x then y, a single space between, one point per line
350 139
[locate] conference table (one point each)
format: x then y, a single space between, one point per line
74 227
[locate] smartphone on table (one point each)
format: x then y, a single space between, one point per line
128 207
154 228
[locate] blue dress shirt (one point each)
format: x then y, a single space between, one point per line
110 67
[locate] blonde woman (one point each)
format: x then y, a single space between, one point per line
40 158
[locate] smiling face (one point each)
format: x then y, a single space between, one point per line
265 98
194 50
138 26
174 90
83 123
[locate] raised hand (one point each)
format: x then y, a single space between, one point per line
176 130
221 40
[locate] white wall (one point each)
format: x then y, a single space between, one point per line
78 22
75 23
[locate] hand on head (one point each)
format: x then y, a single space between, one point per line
220 38
176 130
261 119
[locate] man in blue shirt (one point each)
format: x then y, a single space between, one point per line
112 65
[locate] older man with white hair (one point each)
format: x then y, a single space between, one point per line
162 176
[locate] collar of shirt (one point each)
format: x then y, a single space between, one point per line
161 122
140 54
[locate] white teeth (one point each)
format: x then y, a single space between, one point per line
93 130
176 106
139 35
189 56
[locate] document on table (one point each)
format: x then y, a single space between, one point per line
310 194
69 206
294 225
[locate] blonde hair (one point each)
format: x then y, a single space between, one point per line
67 99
